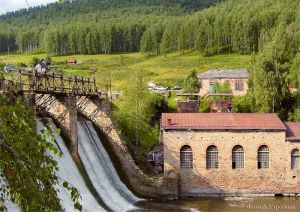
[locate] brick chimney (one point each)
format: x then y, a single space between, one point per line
169 121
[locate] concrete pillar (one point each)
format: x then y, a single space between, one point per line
72 109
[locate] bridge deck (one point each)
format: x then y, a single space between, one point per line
50 83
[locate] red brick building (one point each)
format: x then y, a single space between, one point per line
231 154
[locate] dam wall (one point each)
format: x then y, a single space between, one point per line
65 111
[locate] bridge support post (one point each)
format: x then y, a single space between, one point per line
31 101
72 108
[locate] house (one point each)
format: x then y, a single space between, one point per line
225 154
42 66
9 68
237 80
72 61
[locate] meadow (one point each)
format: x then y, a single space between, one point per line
169 70
121 70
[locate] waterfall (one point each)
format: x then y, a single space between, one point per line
101 171
69 172
10 206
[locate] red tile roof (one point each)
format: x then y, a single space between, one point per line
222 121
293 131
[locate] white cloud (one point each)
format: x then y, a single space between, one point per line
12 5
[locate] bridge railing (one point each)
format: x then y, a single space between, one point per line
37 82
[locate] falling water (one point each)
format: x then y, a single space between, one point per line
10 206
101 171
69 172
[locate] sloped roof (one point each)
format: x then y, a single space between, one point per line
72 60
293 131
230 74
222 121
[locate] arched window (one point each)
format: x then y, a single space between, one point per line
212 158
237 157
186 157
263 157
295 162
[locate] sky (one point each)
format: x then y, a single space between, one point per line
12 5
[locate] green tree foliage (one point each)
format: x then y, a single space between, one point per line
95 26
191 84
138 113
100 26
34 61
204 105
295 116
222 88
151 39
294 74
27 171
242 104
269 77
2 65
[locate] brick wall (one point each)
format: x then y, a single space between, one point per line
199 181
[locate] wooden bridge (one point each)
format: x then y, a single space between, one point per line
52 94
50 83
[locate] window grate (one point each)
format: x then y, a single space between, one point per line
212 161
238 157
263 157
295 160
186 157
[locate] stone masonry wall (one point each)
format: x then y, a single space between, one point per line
98 112
199 181
64 111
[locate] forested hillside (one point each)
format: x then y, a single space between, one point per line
89 26
153 26
269 28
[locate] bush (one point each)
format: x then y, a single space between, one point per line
204 105
242 104
22 65
295 116
34 61
2 65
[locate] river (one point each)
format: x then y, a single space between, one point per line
238 204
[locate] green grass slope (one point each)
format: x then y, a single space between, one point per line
167 71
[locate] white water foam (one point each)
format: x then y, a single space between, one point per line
101 171
69 172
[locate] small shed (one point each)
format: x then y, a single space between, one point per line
72 61
221 106
187 106
155 157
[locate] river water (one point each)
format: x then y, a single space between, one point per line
238 204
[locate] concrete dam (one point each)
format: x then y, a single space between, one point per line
114 194
85 163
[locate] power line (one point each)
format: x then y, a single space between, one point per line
27 3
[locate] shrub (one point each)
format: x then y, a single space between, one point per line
242 104
204 105
295 116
